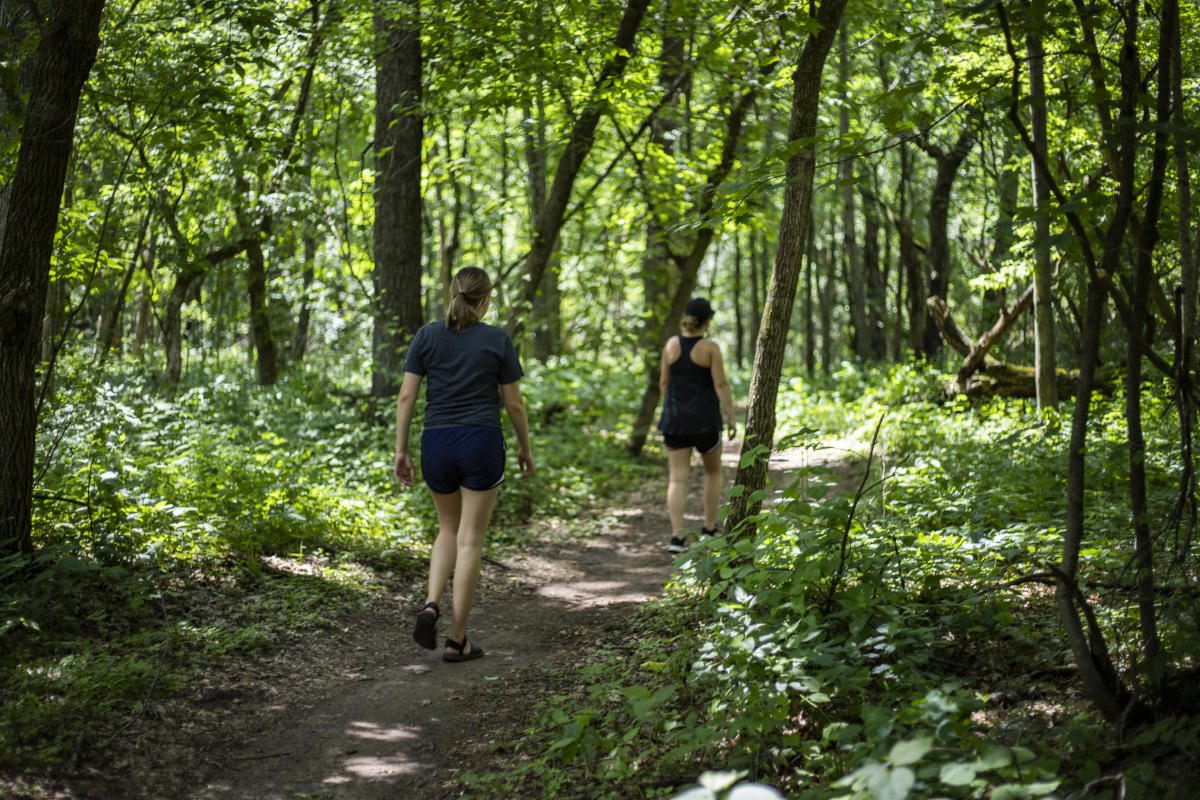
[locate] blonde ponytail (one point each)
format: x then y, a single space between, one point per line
469 291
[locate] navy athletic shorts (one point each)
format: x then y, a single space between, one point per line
703 442
470 457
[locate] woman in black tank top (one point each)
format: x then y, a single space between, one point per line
695 392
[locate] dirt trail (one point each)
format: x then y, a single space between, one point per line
363 713
396 728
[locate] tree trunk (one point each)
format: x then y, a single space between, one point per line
856 281
1100 679
914 278
399 132
657 265
547 334
1007 192
1187 252
825 302
876 284
914 285
304 316
739 328
793 229
578 145
759 263
689 262
54 323
1043 301
810 326
896 340
948 162
173 324
52 77
1152 656
266 364
141 325
109 336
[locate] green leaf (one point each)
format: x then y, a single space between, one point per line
911 751
1042 788
957 774
893 784
993 757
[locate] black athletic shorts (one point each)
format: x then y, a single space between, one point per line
469 457
703 442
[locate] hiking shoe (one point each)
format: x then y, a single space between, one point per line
709 531
677 545
425 630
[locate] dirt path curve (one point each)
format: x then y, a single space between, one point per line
385 719
398 726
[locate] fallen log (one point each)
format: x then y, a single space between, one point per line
975 358
1015 380
981 377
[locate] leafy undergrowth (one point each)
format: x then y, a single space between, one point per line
176 538
909 648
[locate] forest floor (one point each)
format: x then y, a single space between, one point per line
359 711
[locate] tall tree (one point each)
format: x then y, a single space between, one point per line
1187 240
575 150
688 255
399 132
1043 302
855 281
948 161
875 279
1093 660
51 79
793 229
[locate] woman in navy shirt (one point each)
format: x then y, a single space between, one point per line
471 368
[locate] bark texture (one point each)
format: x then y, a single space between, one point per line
1043 302
948 161
53 76
794 223
856 284
399 131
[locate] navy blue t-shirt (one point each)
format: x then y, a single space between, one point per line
463 371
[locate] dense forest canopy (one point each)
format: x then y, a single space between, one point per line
198 129
200 197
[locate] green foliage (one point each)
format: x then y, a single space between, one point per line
905 652
176 537
224 470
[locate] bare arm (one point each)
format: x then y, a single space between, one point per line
405 403
724 393
514 404
664 375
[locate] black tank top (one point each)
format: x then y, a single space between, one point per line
691 404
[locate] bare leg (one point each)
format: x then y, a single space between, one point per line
679 462
472 527
712 486
445 547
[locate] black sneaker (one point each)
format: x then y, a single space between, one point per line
677 545
709 531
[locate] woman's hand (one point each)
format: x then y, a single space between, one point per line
732 424
403 470
525 460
